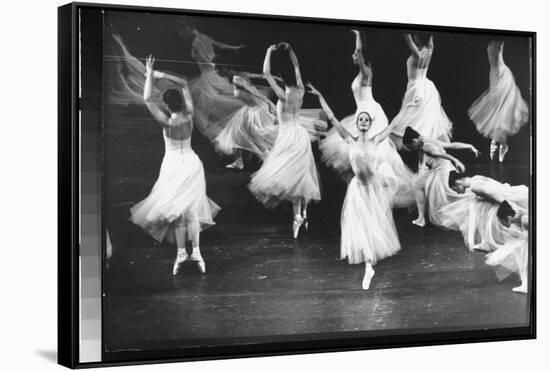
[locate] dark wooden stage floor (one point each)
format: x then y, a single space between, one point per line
260 281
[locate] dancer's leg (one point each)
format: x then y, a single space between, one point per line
298 219
194 229
369 273
304 213
493 149
180 229
420 198
523 276
503 150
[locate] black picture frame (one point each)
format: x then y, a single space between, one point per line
69 105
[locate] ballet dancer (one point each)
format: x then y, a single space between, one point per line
513 257
500 111
421 108
492 218
368 229
476 214
177 207
212 93
334 149
431 182
252 128
289 172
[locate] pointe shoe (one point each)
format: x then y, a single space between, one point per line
177 264
421 222
369 273
200 262
298 221
521 289
493 149
502 151
237 164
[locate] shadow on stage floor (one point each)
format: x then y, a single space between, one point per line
261 282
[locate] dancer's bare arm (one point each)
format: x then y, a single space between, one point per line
434 151
269 77
328 111
460 145
153 107
412 46
294 60
365 68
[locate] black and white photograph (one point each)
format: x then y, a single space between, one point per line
279 180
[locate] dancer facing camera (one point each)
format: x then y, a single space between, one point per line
368 229
289 172
421 108
334 149
500 111
431 182
177 207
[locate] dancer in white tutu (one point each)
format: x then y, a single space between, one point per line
289 172
421 108
431 182
492 217
368 228
513 257
177 207
335 150
212 94
252 128
500 111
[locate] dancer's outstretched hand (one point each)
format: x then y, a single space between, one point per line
312 89
272 47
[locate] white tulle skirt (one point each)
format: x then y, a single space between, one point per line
421 109
368 228
435 182
289 171
500 111
477 220
213 101
179 192
252 129
513 257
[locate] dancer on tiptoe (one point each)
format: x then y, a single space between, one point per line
252 128
431 183
289 172
493 217
335 150
177 207
500 111
368 228
421 108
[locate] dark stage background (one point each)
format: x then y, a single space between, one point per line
134 149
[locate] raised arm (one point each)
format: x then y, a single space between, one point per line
153 107
295 63
412 46
435 152
384 134
460 145
365 69
269 77
328 111
431 43
252 75
227 46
